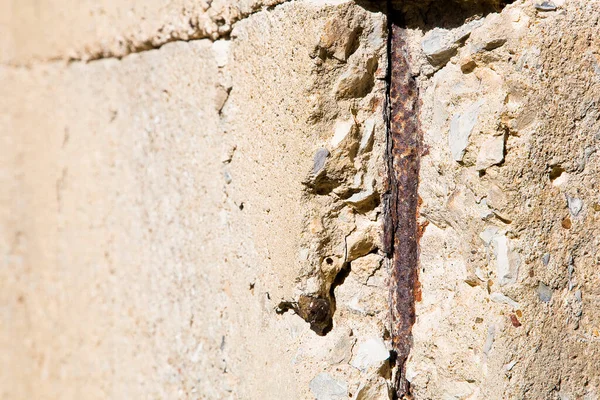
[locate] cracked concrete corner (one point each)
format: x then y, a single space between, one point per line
44 32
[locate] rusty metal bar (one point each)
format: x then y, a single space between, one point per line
402 205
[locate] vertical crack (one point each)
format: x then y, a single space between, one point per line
403 153
402 202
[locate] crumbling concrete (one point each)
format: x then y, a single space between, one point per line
192 201
508 317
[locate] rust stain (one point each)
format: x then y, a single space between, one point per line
515 321
402 231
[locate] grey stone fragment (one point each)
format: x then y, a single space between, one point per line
463 32
460 130
497 297
342 349
361 199
571 271
588 151
221 96
227 177
319 159
485 213
325 387
545 6
575 205
544 292
546 259
440 45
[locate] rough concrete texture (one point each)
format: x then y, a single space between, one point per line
157 209
36 30
509 260
107 213
203 218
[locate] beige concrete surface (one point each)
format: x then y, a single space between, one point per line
156 207
35 30
510 256
173 210
105 223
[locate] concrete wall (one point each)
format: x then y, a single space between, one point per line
189 188
510 255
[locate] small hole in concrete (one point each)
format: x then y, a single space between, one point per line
556 172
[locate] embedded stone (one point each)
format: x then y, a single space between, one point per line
374 389
366 141
325 387
362 199
371 353
575 205
491 153
494 43
342 350
507 261
544 292
497 297
545 6
357 81
546 259
221 50
360 242
341 131
440 45
510 365
365 267
338 38
319 159
488 234
489 341
460 130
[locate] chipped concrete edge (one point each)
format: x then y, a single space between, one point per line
119 48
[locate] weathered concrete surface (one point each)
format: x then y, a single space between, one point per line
158 209
509 271
34 30
108 211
